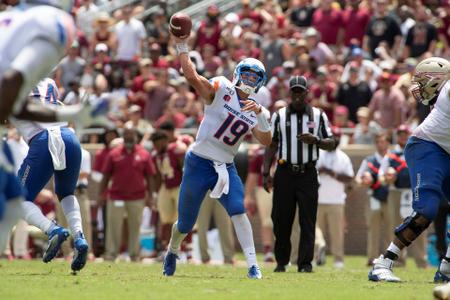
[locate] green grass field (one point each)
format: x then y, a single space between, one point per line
35 280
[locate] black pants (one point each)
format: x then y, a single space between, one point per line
440 227
291 189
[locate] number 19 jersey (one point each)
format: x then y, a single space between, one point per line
224 125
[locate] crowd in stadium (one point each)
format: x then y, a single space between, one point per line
358 57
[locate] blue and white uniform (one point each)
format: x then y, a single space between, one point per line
54 149
220 134
428 157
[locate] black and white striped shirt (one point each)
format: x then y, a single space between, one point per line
287 124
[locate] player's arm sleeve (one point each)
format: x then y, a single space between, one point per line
275 125
34 62
324 128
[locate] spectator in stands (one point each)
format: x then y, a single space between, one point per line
137 94
130 34
335 170
275 50
323 93
328 21
318 49
366 129
70 67
102 61
422 37
382 27
143 127
388 101
158 30
355 20
366 67
86 15
354 93
171 114
444 29
209 30
340 117
157 60
248 13
131 170
212 62
159 92
378 212
183 99
103 33
301 15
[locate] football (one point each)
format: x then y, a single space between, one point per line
180 25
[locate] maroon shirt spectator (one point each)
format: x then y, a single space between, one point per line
209 31
256 164
328 21
128 170
355 21
159 93
444 26
155 57
322 93
248 13
137 94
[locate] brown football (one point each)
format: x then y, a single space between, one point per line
180 25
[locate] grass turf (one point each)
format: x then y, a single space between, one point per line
35 280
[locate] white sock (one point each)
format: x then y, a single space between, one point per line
13 212
394 249
245 236
176 239
33 215
71 210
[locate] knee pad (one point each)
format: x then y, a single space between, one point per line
417 223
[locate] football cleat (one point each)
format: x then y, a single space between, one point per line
382 270
80 255
443 272
442 292
170 264
55 238
254 272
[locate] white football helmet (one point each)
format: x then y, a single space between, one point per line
251 65
429 77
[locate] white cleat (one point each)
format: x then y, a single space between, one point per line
442 292
254 272
382 270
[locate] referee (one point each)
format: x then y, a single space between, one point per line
299 130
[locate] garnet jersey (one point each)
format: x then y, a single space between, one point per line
168 164
224 125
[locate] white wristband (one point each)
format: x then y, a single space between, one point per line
263 123
181 48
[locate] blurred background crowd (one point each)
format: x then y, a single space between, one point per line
358 57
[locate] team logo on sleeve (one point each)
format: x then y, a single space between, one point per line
311 124
226 98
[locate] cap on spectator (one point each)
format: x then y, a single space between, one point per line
246 22
145 62
322 71
311 31
357 51
403 128
289 64
104 17
212 10
298 81
341 110
75 44
363 112
134 108
101 47
232 18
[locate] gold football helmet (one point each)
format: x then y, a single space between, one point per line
429 77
